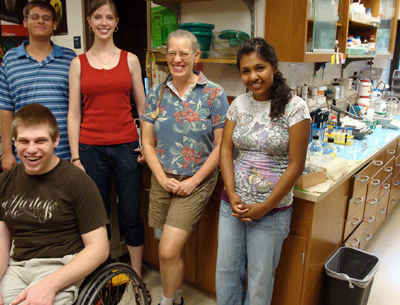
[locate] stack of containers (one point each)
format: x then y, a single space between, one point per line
203 33
163 22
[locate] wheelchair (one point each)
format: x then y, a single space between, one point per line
112 284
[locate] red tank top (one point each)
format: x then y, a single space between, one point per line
107 118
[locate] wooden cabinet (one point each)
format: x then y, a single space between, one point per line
288 27
381 195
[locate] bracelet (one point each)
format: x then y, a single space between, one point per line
75 159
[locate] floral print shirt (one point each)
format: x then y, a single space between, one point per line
263 146
184 127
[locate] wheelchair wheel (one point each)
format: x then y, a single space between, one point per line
113 284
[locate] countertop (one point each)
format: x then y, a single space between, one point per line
358 157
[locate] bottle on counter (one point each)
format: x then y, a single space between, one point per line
329 151
314 153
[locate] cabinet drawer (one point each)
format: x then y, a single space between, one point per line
393 201
366 237
387 169
374 183
371 202
381 210
396 166
395 184
354 205
385 186
359 182
354 239
390 152
398 148
369 223
353 221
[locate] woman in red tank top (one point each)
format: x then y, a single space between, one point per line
104 143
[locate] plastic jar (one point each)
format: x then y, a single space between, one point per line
371 43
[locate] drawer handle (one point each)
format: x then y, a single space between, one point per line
396 182
375 181
378 162
397 164
146 189
393 201
373 201
385 185
356 243
388 169
360 200
356 222
365 178
390 151
383 211
371 220
369 237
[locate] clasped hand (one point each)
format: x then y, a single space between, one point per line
179 188
247 212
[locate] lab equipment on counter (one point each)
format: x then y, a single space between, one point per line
314 154
329 151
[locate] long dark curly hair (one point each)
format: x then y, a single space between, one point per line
281 92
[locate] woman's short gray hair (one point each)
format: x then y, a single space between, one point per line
187 35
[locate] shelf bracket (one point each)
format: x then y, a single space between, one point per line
175 7
349 60
250 5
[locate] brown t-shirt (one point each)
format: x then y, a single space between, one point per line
46 214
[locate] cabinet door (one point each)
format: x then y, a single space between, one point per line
289 274
324 26
385 34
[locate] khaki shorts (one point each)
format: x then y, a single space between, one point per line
21 275
177 211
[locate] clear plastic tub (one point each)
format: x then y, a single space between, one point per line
226 43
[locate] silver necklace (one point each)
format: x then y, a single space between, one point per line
104 63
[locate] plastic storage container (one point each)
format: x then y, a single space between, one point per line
227 42
330 151
350 275
203 33
314 153
163 21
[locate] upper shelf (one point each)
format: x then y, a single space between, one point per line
175 6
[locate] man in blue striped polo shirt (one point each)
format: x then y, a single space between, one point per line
35 72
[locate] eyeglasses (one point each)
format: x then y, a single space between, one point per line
37 17
182 55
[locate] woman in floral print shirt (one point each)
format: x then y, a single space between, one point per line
181 137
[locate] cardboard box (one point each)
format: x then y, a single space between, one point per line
311 179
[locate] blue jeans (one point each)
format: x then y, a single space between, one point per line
256 245
102 162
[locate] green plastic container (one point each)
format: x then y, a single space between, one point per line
163 21
204 39
197 27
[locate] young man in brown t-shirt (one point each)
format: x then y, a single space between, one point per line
54 214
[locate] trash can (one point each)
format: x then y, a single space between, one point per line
350 275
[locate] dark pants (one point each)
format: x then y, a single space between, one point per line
102 162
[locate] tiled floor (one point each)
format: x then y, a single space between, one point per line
385 244
385 288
